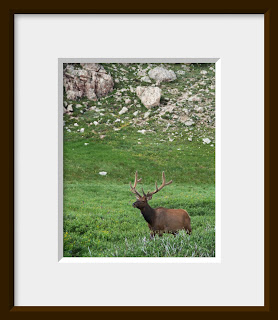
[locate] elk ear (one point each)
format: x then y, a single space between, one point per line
149 197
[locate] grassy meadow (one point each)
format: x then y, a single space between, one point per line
99 220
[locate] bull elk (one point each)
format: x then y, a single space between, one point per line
160 220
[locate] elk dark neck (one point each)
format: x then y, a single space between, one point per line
148 213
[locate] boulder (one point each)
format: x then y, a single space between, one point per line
88 80
149 96
160 74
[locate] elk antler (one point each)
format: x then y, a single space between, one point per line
162 186
133 189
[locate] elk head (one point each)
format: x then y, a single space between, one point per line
142 201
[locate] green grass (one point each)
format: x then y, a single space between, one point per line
99 220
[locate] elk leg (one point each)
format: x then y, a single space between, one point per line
152 235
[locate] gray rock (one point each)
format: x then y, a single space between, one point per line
160 74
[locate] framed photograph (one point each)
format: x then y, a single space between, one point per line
147 118
139 162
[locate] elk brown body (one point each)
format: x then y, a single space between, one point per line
160 220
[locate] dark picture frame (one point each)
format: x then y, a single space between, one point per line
7 301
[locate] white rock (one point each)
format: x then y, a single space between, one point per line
146 114
85 144
189 123
135 113
149 96
70 108
146 79
95 123
160 74
206 141
183 118
124 110
143 131
141 73
76 124
199 109
194 98
168 108
82 130
203 72
127 101
103 173
78 106
181 72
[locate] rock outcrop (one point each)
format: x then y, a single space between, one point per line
86 80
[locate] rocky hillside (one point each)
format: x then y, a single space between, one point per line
172 100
